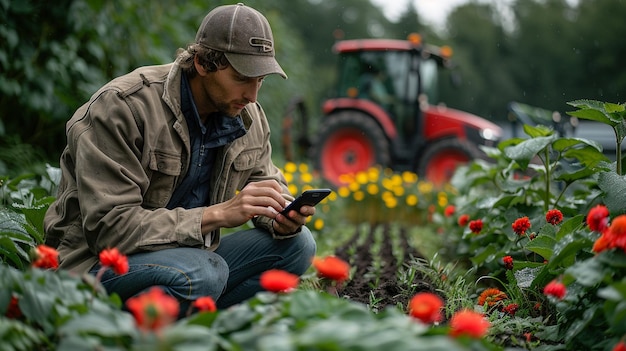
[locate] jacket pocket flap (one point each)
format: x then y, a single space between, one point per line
246 160
165 163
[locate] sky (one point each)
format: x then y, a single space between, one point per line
433 12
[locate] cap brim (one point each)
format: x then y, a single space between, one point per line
254 65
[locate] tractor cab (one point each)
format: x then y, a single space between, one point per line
388 79
380 116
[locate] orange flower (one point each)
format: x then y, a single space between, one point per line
476 226
46 257
616 234
598 218
332 267
426 307
154 309
205 304
463 220
468 323
556 289
449 211
554 217
115 260
601 244
521 225
276 280
491 297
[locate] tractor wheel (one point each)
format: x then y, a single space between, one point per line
348 142
440 159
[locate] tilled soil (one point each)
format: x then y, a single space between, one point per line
377 255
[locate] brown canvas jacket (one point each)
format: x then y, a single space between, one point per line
130 145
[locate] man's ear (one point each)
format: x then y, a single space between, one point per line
201 71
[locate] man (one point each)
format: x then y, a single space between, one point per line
160 159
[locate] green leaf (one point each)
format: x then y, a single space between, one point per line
485 254
588 272
525 151
614 188
569 226
542 245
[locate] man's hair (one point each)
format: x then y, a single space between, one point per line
211 60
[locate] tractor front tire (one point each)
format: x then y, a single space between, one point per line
348 142
440 159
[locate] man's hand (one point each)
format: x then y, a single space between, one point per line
293 221
263 198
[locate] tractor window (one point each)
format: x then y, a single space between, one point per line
428 72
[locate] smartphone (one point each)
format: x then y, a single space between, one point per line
308 198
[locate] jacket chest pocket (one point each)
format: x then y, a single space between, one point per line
246 160
164 169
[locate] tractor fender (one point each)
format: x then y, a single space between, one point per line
365 106
441 122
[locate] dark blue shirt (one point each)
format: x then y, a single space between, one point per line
205 139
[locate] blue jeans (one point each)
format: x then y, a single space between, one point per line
229 275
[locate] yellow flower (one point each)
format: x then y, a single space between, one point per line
387 183
361 178
387 195
293 189
306 177
425 187
332 196
343 191
412 200
290 167
304 168
409 177
398 190
354 186
442 199
396 180
318 224
358 195
373 174
391 202
288 177
372 189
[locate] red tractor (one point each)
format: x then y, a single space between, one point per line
380 114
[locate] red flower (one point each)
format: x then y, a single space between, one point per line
556 289
508 262
554 217
426 307
598 218
114 259
279 281
511 308
491 297
476 226
154 309
468 323
46 257
13 310
463 220
205 304
449 211
620 346
332 267
521 225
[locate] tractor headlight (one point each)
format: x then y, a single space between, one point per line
489 134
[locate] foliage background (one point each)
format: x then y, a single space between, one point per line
53 57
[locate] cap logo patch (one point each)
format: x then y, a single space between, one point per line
266 45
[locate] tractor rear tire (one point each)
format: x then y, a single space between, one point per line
441 158
348 142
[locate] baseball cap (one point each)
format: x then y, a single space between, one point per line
245 37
